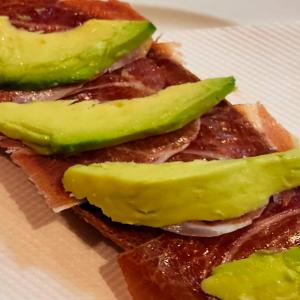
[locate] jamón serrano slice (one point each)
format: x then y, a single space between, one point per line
125 236
174 266
225 133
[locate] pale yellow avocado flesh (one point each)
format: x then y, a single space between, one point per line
262 276
158 195
66 127
32 60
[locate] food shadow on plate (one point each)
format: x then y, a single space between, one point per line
110 271
25 195
35 209
87 232
62 245
114 278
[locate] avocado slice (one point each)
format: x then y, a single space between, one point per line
67 127
31 60
159 195
264 275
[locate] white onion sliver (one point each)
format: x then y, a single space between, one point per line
45 95
207 154
211 229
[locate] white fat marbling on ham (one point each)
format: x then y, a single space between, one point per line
259 227
137 85
170 151
43 95
207 154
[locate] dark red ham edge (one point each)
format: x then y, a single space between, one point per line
156 265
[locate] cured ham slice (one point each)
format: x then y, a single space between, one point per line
211 136
125 236
225 133
109 9
41 15
271 133
59 15
175 266
276 136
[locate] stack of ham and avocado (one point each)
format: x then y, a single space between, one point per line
105 121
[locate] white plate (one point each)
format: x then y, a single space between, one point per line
172 18
187 14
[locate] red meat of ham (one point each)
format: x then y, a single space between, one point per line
58 15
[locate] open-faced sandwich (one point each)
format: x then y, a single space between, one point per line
201 195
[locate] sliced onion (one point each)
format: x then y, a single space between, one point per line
211 229
207 154
43 95
137 85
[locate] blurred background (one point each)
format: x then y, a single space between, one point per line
185 14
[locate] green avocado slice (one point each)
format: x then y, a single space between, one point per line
67 127
262 276
159 195
31 60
